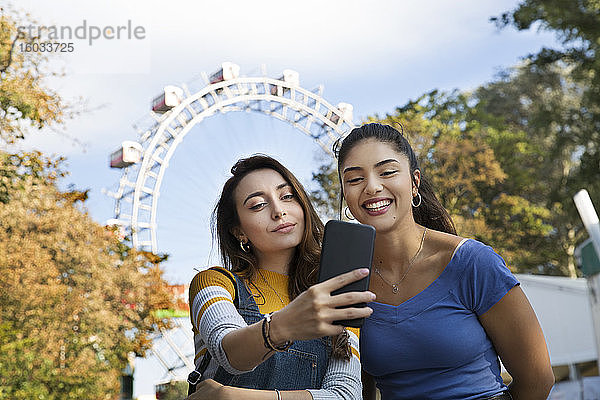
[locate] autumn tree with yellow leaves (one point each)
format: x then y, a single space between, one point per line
75 301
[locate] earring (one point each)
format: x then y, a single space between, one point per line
245 246
348 214
412 201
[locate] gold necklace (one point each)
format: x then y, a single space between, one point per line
272 288
410 264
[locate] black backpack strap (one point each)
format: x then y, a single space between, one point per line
194 376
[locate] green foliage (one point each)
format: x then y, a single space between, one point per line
326 198
575 70
523 232
576 24
545 107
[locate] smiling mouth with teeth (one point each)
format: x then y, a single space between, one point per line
379 205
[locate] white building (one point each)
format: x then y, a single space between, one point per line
563 308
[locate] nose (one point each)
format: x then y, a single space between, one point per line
373 186
278 214
278 210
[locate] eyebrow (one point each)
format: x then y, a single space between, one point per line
379 164
260 193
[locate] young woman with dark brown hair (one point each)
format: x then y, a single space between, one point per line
265 322
447 307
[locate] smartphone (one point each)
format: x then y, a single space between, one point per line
347 246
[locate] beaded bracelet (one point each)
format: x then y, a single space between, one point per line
266 332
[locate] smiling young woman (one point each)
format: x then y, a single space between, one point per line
447 307
280 340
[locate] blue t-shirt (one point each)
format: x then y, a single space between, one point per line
432 346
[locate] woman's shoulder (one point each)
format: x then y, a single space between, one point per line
478 252
461 257
214 277
477 263
447 244
213 272
442 246
485 278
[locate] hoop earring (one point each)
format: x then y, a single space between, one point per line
245 246
348 214
412 201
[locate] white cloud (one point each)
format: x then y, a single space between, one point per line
350 35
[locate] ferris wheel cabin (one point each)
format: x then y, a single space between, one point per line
291 77
169 98
129 153
345 111
227 72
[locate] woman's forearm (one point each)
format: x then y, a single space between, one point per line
234 393
245 347
538 389
212 390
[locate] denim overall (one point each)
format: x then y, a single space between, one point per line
302 366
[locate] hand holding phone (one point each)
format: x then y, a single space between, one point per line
347 246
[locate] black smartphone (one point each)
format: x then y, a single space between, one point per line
347 246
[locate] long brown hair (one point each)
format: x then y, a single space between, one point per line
430 213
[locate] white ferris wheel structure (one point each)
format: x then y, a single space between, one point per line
177 110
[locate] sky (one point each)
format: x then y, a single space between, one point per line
375 55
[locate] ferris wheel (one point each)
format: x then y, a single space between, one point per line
177 110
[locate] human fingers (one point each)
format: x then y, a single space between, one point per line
344 279
350 313
312 323
346 299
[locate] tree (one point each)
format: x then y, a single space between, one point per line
174 390
26 100
19 170
545 107
75 301
326 197
577 26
